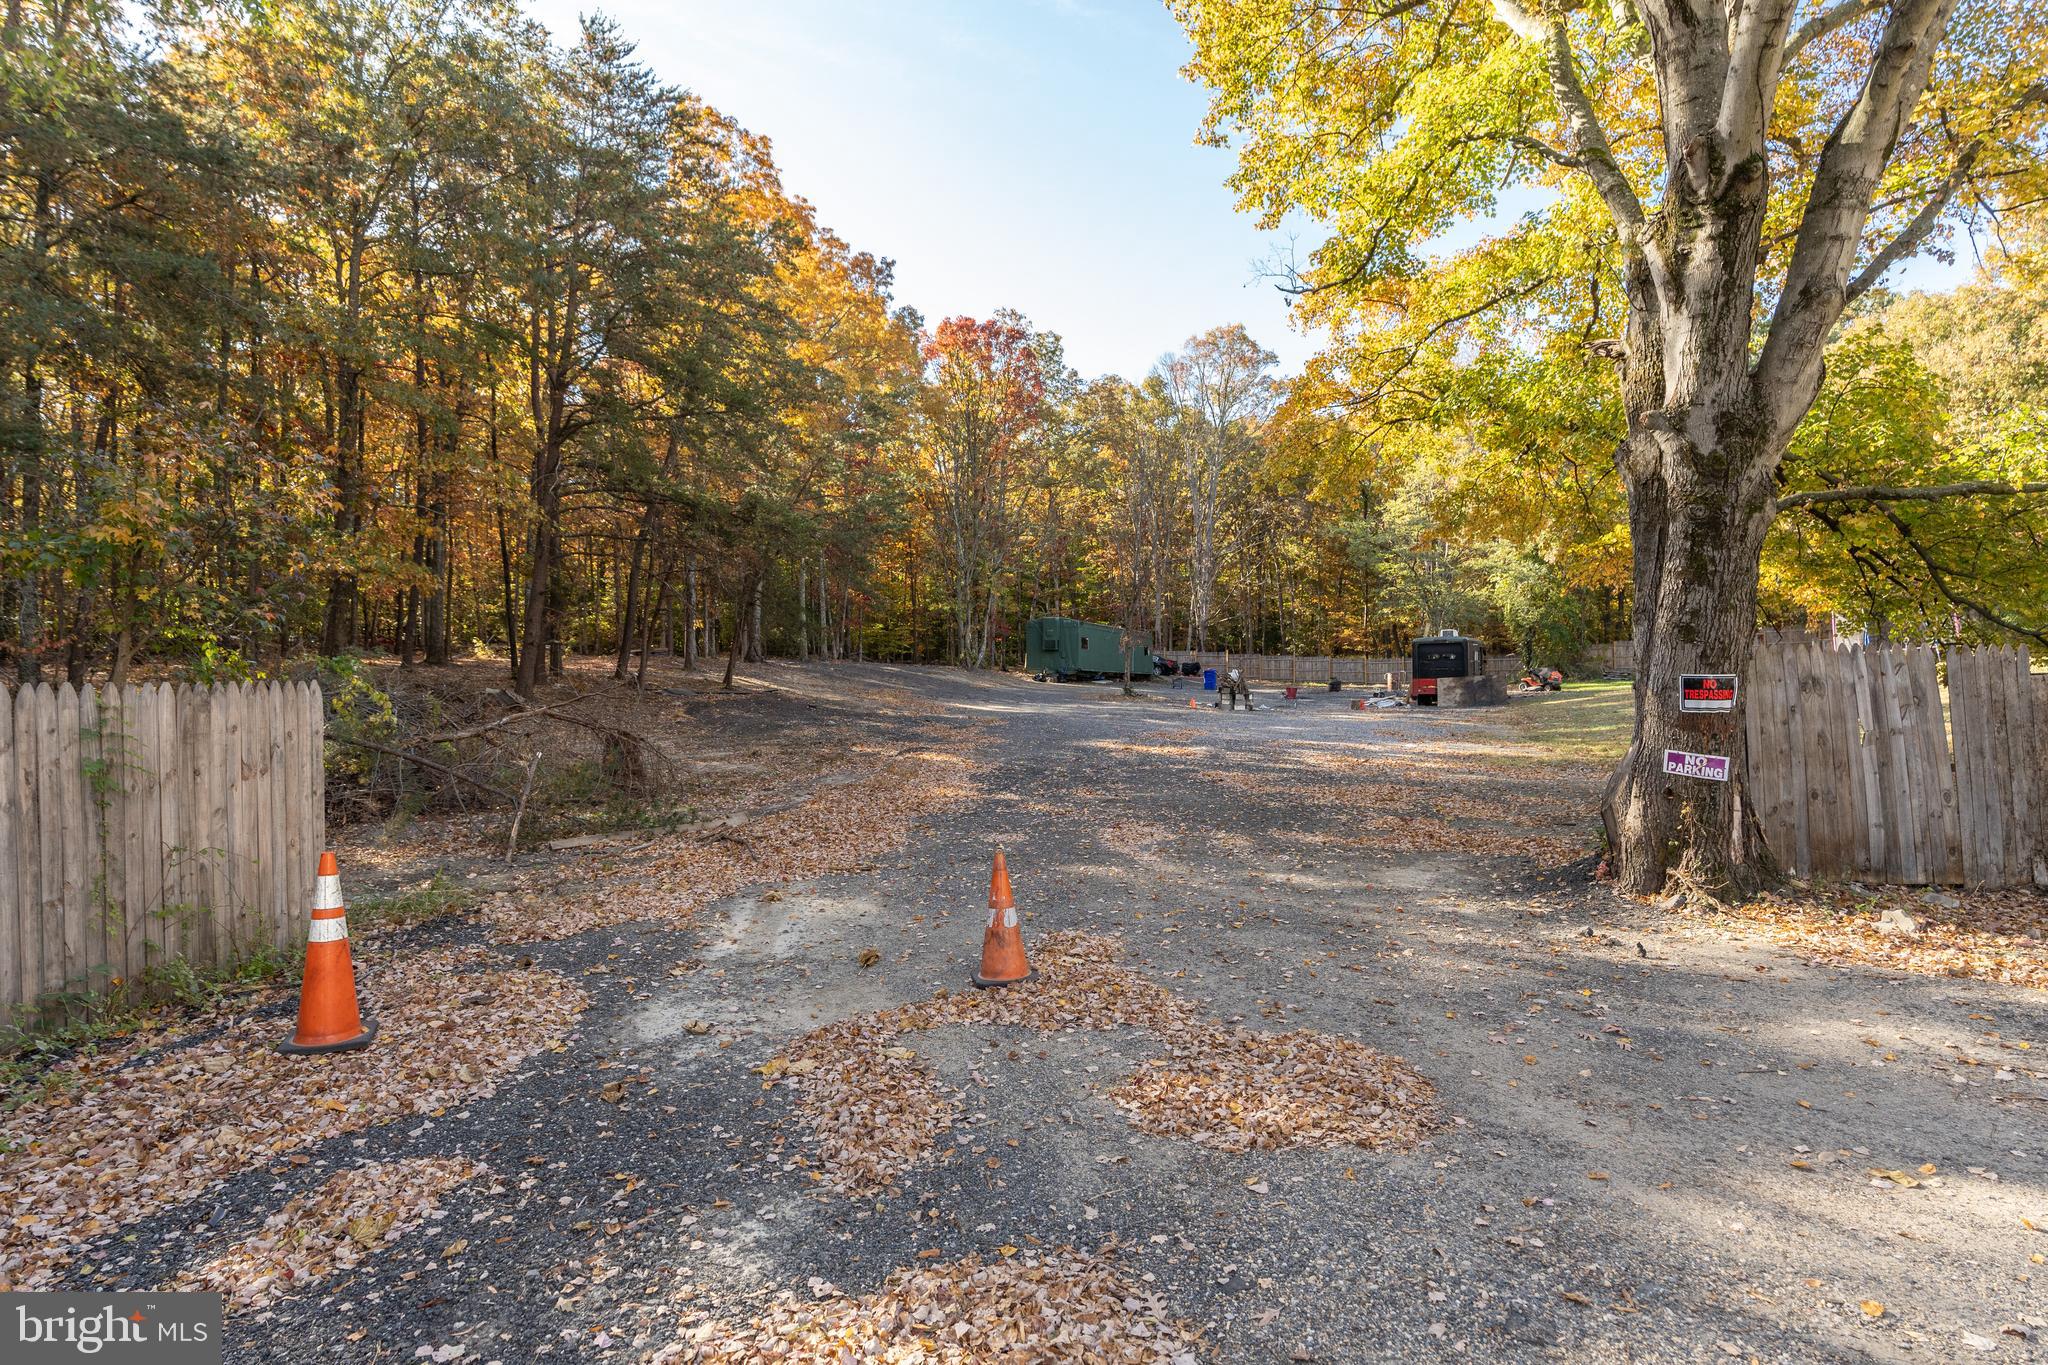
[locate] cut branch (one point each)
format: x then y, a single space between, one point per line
422 761
529 713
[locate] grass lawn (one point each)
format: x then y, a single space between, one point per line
1589 720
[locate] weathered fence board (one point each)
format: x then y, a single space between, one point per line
1373 670
1857 769
149 823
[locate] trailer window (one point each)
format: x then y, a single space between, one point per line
1440 661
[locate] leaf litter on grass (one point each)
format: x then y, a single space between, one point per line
1985 935
132 1133
876 1110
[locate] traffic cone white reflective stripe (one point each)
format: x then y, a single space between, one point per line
331 930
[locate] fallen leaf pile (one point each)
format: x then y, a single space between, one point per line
129 1136
332 1228
1059 1306
1234 1090
1989 935
875 1110
1238 780
840 829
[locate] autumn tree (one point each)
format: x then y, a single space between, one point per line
1221 387
978 414
1719 182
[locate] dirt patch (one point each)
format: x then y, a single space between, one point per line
842 828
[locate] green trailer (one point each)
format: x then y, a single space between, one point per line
1071 651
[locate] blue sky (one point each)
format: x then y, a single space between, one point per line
1029 154
1032 154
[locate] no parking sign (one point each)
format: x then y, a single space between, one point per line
1712 767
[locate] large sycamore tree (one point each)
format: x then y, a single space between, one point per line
1713 183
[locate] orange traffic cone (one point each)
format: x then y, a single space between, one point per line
1191 703
1002 947
329 1020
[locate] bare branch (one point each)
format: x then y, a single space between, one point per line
1947 588
1826 22
1909 237
1875 493
1838 205
421 760
1591 151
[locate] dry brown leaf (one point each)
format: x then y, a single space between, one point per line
1062 1307
332 1228
127 1138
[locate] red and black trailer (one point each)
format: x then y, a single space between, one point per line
1435 657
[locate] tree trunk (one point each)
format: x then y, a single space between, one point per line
732 653
1699 467
647 619
557 594
825 643
443 565
540 579
631 613
690 616
1697 566
756 649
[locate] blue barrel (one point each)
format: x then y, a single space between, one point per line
1208 680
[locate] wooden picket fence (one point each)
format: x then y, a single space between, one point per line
1856 767
145 824
1374 670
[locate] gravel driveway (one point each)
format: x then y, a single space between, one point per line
1656 1141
